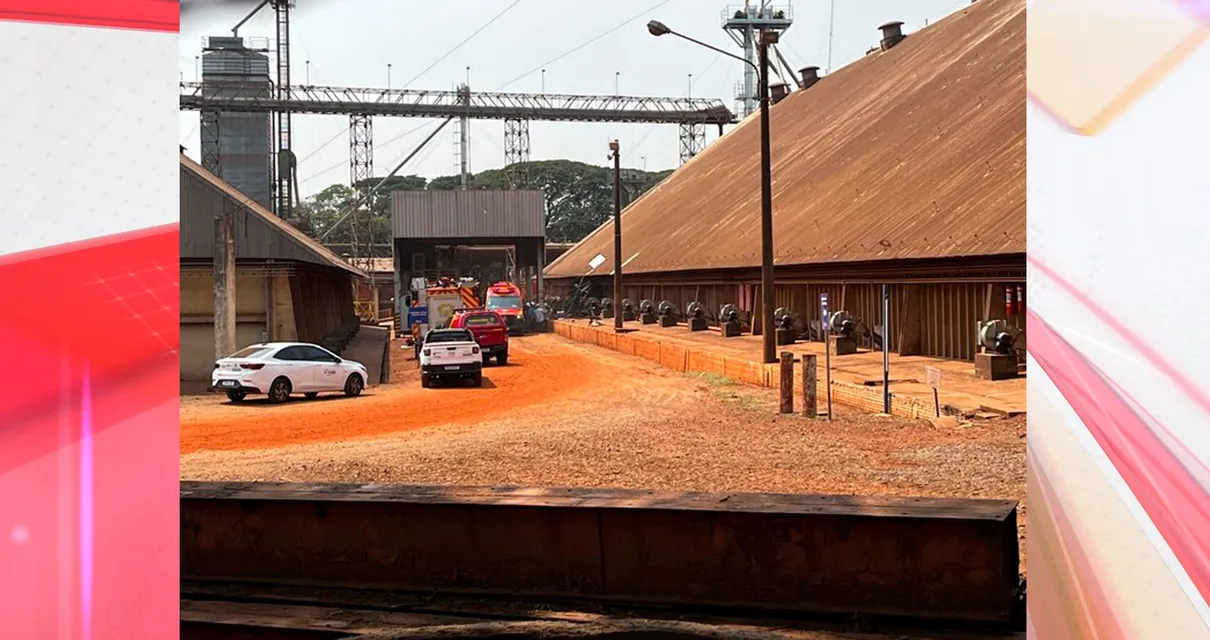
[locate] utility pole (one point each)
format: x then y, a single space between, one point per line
223 269
768 328
615 152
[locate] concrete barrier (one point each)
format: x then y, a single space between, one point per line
741 370
922 557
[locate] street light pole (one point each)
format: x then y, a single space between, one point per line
767 38
615 153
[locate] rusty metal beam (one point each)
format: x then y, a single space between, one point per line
922 557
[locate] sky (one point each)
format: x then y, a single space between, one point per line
350 43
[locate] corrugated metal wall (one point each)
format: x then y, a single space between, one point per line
322 303
948 311
477 213
254 238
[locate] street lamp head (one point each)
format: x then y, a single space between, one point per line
657 28
613 146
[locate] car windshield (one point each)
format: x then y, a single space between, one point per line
503 302
482 320
449 336
249 352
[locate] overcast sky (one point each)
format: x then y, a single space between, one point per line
351 42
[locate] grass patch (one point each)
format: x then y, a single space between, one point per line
713 379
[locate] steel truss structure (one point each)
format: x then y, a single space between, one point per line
414 103
693 140
361 148
516 151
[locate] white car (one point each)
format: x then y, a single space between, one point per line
448 354
279 369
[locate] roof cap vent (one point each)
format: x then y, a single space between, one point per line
810 75
778 92
892 34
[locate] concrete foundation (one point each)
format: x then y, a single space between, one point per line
667 321
698 324
785 336
995 366
843 345
918 557
731 329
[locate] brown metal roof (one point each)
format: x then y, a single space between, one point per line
319 253
915 152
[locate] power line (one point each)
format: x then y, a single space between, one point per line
409 82
344 163
581 46
464 41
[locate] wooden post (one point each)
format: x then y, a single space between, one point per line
787 382
224 285
810 374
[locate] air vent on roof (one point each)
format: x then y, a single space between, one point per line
892 33
810 75
778 92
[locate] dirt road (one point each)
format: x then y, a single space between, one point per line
541 369
569 415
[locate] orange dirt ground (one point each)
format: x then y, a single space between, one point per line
208 423
564 414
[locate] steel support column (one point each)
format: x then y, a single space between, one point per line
693 140
286 164
211 151
516 152
361 148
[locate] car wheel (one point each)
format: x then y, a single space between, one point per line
477 380
311 395
502 359
353 385
279 391
425 382
236 396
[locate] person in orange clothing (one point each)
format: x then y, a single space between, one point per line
416 338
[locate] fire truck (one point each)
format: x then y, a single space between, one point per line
507 299
436 300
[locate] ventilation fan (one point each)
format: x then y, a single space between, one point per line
647 311
695 314
788 325
731 320
666 313
998 337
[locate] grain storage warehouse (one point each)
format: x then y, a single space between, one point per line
906 167
288 287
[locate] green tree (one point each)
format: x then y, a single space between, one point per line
579 198
325 210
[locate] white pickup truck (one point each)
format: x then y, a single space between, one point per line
450 354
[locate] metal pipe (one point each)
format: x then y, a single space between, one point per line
618 315
886 349
378 186
766 212
235 29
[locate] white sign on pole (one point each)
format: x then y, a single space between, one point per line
933 376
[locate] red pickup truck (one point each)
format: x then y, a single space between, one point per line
489 330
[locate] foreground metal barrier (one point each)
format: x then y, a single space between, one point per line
916 557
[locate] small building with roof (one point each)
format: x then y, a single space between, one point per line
288 287
905 168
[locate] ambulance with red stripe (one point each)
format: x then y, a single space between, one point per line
506 299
